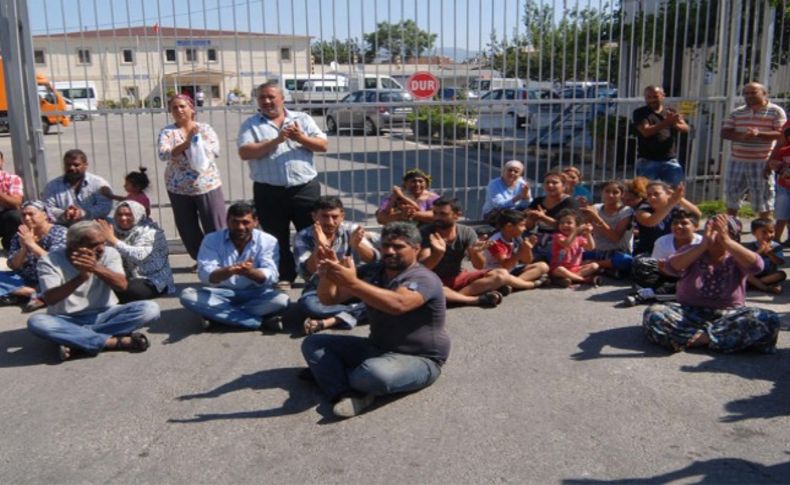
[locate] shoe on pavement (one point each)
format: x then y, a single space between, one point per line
10 300
350 406
272 324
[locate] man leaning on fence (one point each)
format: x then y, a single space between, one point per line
753 129
279 145
76 195
656 129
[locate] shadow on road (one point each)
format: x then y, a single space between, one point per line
630 341
20 348
301 396
752 366
718 470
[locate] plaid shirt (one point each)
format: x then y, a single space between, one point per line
10 184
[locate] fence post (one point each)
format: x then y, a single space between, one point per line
24 115
767 43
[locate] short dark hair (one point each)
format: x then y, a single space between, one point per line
139 179
75 153
328 203
569 212
402 230
761 222
684 214
451 201
241 209
270 84
509 216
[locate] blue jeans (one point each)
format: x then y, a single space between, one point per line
89 331
346 315
668 171
239 308
343 363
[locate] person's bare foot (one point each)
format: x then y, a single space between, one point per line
700 339
775 289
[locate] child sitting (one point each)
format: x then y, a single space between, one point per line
568 245
507 249
769 279
135 184
612 228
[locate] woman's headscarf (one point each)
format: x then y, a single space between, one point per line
138 218
416 172
36 204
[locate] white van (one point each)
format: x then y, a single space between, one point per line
82 95
372 81
480 86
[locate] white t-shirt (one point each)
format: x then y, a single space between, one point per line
665 245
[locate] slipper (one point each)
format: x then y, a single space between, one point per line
489 299
312 326
33 305
137 342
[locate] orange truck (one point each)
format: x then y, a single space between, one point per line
53 106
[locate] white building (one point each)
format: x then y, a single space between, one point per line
141 63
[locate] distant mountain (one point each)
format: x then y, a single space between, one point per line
455 53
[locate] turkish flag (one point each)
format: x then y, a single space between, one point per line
156 28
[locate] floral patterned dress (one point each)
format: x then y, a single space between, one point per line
180 177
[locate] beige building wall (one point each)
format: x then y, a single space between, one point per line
173 62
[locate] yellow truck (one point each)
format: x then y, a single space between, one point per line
53 106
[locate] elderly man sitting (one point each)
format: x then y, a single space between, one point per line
83 313
240 263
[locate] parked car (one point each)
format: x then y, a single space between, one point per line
512 102
351 114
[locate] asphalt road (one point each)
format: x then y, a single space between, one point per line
554 386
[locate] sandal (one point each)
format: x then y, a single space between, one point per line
312 326
489 299
137 342
33 305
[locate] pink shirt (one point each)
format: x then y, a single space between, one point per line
141 199
570 256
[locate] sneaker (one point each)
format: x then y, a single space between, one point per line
350 406
272 324
283 285
630 300
205 323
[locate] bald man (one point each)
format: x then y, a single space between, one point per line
753 130
656 128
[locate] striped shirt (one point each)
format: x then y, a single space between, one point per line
768 118
290 164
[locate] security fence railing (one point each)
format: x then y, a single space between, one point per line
547 82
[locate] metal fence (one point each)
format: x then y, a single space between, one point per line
549 83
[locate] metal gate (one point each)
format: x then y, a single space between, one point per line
547 82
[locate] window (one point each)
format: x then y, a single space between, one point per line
127 56
83 56
214 91
211 55
190 54
371 83
170 55
387 83
39 57
285 54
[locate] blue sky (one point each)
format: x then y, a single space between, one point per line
465 24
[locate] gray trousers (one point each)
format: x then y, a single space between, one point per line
197 215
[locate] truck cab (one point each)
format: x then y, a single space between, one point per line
53 106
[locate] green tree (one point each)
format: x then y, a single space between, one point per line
403 39
326 51
579 46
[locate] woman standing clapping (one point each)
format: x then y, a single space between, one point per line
192 177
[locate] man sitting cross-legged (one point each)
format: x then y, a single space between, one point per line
408 342
240 263
444 245
83 313
330 232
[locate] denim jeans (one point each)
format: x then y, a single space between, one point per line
89 331
237 307
346 315
343 363
668 171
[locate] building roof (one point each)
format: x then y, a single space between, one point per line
153 31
